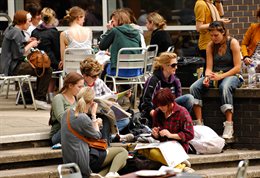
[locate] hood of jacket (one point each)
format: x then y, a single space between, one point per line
159 74
128 31
44 26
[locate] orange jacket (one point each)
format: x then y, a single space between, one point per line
250 40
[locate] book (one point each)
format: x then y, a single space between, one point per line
172 151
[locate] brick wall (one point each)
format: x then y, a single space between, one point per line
246 116
242 13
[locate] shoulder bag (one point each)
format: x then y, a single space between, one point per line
100 144
39 59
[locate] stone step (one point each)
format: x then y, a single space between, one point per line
51 172
252 171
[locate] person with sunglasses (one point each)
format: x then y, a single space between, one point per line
223 67
91 70
163 76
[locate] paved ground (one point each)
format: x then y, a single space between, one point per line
14 119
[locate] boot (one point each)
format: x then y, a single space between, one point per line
228 130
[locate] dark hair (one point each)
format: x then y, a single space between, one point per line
33 8
163 97
71 78
20 17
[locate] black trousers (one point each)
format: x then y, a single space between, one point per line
24 68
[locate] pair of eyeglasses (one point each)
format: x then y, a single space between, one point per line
173 65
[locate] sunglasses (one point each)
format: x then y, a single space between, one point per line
173 65
94 76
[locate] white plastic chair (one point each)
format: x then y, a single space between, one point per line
69 170
241 169
20 79
127 60
72 59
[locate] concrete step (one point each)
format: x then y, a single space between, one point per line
31 172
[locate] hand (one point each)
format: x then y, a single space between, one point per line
99 122
206 81
248 61
216 76
225 20
109 25
34 43
151 112
60 66
165 133
155 132
128 94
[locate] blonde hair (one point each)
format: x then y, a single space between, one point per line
157 20
90 66
48 16
163 58
84 97
74 13
122 17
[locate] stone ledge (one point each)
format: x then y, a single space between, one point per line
24 137
239 93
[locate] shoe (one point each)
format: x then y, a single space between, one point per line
188 170
147 140
127 138
228 130
187 163
112 175
94 175
42 105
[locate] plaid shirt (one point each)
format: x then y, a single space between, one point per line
178 122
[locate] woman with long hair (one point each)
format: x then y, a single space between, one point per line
105 162
223 65
66 98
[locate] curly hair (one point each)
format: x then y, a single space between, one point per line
90 66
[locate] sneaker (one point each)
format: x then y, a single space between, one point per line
228 130
112 175
42 105
147 140
94 175
127 138
187 163
188 170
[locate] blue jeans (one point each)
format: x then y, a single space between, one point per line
186 101
226 89
122 123
56 138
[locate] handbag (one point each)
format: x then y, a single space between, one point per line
100 144
39 59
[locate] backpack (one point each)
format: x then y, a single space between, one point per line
206 140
